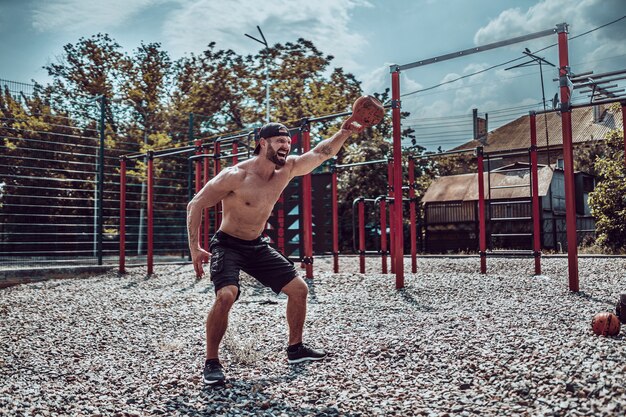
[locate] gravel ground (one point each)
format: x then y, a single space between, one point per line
452 343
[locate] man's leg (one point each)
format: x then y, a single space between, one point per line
217 319
297 292
216 324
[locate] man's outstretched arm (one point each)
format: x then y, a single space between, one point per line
324 150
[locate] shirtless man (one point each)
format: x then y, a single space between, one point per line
248 192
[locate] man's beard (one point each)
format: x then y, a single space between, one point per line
273 156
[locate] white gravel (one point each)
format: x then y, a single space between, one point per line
452 343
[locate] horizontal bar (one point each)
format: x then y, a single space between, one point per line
606 93
201 156
601 90
474 50
163 155
620 99
53 179
65 135
511 234
500 203
69 171
509 218
497 156
354 164
509 186
329 116
504 171
584 76
51 124
596 83
232 156
73 154
221 139
511 253
430 155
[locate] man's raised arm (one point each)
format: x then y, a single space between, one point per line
324 150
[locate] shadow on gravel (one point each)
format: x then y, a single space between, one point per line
312 294
134 283
237 396
410 299
196 283
589 297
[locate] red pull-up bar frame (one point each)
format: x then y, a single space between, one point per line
397 221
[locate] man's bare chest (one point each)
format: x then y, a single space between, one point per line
255 191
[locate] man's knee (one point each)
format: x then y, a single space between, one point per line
226 296
296 288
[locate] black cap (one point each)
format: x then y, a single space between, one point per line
269 130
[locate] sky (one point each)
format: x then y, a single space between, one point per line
364 36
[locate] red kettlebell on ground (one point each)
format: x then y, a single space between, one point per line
605 324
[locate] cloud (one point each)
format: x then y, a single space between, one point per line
190 25
580 16
376 81
80 15
325 22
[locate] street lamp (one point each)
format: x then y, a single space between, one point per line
267 74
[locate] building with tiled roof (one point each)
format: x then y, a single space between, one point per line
451 202
589 125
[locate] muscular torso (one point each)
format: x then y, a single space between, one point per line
247 208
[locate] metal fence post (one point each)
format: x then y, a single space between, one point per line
101 181
122 231
150 212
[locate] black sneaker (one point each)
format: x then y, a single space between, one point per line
213 372
302 353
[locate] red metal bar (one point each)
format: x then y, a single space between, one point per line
150 212
335 210
234 151
280 230
122 268
205 223
568 160
216 170
482 230
307 218
412 215
361 208
624 128
197 166
383 233
198 177
391 215
535 193
397 179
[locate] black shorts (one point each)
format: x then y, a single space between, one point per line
229 255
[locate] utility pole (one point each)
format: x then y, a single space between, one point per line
267 74
537 60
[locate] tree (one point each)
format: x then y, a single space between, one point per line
214 86
608 200
92 67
